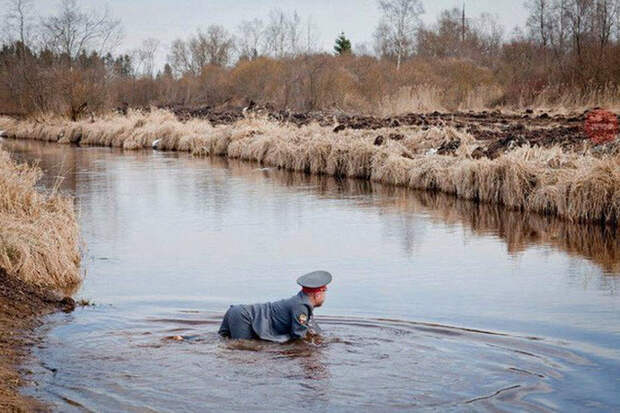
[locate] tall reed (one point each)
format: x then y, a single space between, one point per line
39 238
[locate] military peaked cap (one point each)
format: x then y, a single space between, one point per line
315 279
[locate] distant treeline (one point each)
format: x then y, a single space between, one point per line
567 55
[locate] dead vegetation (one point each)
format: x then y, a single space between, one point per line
38 231
549 181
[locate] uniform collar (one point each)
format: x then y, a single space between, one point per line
305 299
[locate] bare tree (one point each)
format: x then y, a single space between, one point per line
180 58
382 40
276 33
19 20
559 27
212 47
579 14
251 37
198 49
448 37
605 17
362 49
144 57
73 30
283 34
312 37
490 34
578 32
294 33
218 45
540 20
617 21
395 34
478 38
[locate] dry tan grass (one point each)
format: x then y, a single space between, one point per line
428 98
570 100
578 187
38 231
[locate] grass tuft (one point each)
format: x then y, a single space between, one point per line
39 241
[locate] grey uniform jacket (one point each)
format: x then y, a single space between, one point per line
278 321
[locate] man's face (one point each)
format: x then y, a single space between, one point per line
319 298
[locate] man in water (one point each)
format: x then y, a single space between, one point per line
279 321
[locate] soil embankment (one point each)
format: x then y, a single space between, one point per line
528 162
494 130
21 305
39 256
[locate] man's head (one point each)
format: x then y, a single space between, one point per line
317 295
314 285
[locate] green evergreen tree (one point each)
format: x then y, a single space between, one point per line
343 45
168 71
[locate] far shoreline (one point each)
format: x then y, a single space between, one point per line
541 164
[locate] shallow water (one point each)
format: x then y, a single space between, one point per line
437 303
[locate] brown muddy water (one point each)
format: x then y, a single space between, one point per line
437 304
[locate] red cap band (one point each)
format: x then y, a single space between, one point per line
314 290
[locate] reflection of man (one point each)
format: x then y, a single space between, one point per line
279 321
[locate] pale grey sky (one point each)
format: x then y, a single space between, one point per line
167 20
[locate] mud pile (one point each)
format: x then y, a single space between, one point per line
496 131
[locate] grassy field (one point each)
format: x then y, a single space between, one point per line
574 185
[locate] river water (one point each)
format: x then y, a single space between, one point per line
436 304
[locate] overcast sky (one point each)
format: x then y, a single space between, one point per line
167 20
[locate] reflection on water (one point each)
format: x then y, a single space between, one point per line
518 230
172 241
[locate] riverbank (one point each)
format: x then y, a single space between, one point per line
39 258
577 182
21 306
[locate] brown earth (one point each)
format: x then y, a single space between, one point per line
495 130
21 305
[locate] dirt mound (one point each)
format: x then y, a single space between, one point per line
216 117
496 131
